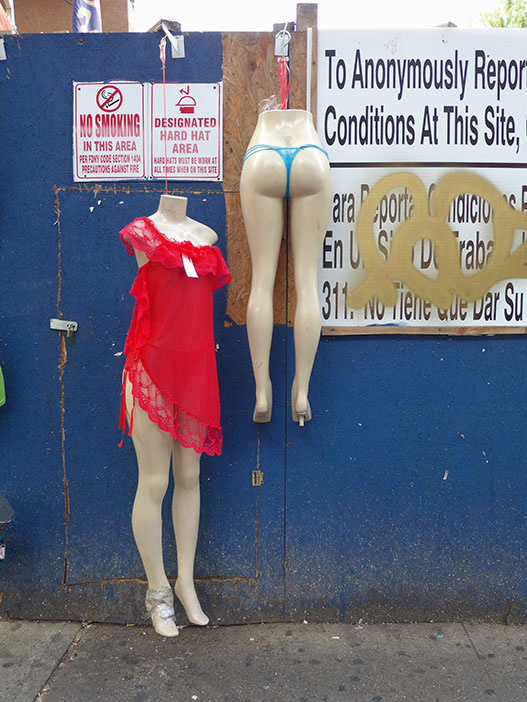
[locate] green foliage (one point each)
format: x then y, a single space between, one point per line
509 13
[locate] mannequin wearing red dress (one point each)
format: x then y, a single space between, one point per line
162 426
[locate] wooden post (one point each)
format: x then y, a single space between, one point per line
307 18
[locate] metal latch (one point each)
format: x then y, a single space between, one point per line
257 478
64 325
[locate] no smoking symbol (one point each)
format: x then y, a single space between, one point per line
109 98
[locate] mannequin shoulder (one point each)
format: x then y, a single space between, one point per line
200 234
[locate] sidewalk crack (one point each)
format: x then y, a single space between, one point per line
479 656
68 655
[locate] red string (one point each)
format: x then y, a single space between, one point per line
122 422
162 55
283 72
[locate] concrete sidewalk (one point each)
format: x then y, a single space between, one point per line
68 662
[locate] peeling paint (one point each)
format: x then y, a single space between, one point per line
97 188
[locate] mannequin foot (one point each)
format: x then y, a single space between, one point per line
301 417
300 407
264 405
188 598
160 608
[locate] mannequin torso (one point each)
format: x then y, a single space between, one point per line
171 220
285 128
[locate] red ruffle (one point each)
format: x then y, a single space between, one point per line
145 236
190 431
172 370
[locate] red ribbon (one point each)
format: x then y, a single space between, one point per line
283 72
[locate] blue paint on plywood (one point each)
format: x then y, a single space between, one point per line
100 302
411 477
73 521
405 495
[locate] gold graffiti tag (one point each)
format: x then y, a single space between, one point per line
422 224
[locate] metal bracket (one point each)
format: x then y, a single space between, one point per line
177 42
257 476
64 325
178 49
281 42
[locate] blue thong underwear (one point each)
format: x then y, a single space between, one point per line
287 153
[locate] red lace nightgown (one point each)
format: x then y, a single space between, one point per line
170 351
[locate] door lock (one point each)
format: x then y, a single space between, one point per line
64 325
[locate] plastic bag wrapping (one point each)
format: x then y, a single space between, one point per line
269 103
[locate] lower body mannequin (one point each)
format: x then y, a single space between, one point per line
155 450
263 184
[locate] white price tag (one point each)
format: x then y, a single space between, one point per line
189 267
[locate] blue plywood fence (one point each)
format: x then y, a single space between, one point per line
403 499
71 551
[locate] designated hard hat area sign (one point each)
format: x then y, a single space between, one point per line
136 131
186 135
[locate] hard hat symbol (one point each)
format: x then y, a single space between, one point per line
187 103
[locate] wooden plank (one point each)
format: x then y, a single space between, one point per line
297 101
250 75
307 18
418 331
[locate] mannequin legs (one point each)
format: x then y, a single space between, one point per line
154 450
264 221
308 217
261 188
185 516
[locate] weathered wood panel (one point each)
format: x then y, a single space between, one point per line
250 75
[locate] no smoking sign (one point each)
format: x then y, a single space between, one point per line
109 131
109 98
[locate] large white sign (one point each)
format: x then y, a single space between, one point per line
108 131
426 103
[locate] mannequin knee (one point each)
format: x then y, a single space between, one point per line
186 477
260 301
153 486
306 286
261 294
